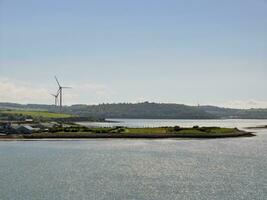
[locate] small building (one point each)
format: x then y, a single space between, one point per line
26 129
45 125
13 129
9 129
17 128
29 120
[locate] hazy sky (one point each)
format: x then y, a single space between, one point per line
180 51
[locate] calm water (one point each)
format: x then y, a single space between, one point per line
135 169
231 123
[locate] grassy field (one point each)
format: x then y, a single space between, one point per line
146 130
35 114
167 132
181 130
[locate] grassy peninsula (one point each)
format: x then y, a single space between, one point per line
78 132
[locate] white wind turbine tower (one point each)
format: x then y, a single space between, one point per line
60 92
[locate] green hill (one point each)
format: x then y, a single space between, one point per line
146 110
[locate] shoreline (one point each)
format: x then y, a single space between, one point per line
176 132
123 136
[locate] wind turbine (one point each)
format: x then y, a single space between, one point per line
56 98
60 92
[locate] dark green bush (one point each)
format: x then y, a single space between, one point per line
177 128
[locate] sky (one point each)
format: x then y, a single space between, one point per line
208 52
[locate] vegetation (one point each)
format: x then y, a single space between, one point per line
28 114
123 132
33 114
147 110
144 110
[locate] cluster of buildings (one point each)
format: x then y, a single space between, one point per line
7 127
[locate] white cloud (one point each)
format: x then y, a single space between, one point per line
97 89
91 93
21 92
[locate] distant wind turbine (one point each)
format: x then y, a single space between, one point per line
56 98
60 92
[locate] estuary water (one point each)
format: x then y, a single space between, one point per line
167 169
230 123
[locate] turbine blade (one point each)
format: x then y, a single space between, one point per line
58 92
57 82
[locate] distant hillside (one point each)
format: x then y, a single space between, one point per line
229 113
148 110
142 110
